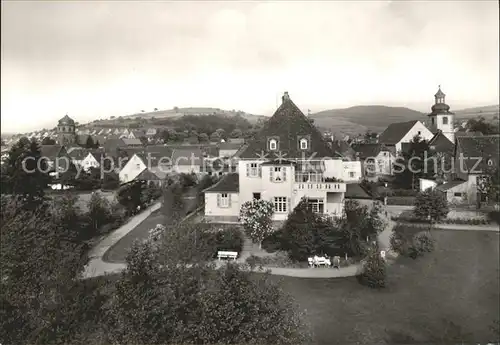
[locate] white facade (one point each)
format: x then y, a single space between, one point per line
444 123
222 204
352 171
278 185
426 184
89 162
417 129
131 169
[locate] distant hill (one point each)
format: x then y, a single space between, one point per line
359 119
179 112
489 112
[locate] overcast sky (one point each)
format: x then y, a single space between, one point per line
97 59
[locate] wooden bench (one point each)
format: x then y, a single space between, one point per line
227 255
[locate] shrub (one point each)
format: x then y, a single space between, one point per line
423 243
280 259
229 239
272 243
494 216
374 271
401 200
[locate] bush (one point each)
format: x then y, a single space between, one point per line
404 192
494 216
401 200
374 272
423 243
272 243
225 240
280 259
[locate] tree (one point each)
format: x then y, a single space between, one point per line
215 136
144 140
40 260
374 271
130 195
99 211
173 202
203 137
480 125
25 172
160 299
488 184
89 144
431 205
48 141
358 227
256 217
306 233
236 133
412 164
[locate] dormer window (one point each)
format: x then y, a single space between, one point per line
303 144
445 120
272 144
490 162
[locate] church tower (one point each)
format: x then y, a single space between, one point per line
441 118
66 131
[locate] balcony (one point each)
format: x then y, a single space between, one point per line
334 187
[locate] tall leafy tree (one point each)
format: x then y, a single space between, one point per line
412 164
40 261
25 171
256 217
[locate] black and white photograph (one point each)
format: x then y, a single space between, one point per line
250 172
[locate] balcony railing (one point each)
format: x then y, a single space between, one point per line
334 187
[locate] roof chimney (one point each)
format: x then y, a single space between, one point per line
285 97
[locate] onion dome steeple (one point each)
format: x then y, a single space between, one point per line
440 107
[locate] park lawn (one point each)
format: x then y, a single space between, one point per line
118 252
450 295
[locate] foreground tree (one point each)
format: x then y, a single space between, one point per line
40 260
256 217
25 172
159 300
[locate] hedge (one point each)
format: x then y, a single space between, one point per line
461 221
226 240
401 200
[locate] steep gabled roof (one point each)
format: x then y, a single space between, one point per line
367 150
287 124
449 185
483 148
440 143
395 132
187 157
229 183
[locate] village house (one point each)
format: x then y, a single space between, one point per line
286 161
396 134
376 160
228 149
56 157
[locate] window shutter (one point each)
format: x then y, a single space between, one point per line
248 169
271 174
229 200
288 206
218 200
284 173
260 170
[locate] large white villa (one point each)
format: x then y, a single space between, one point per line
287 160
